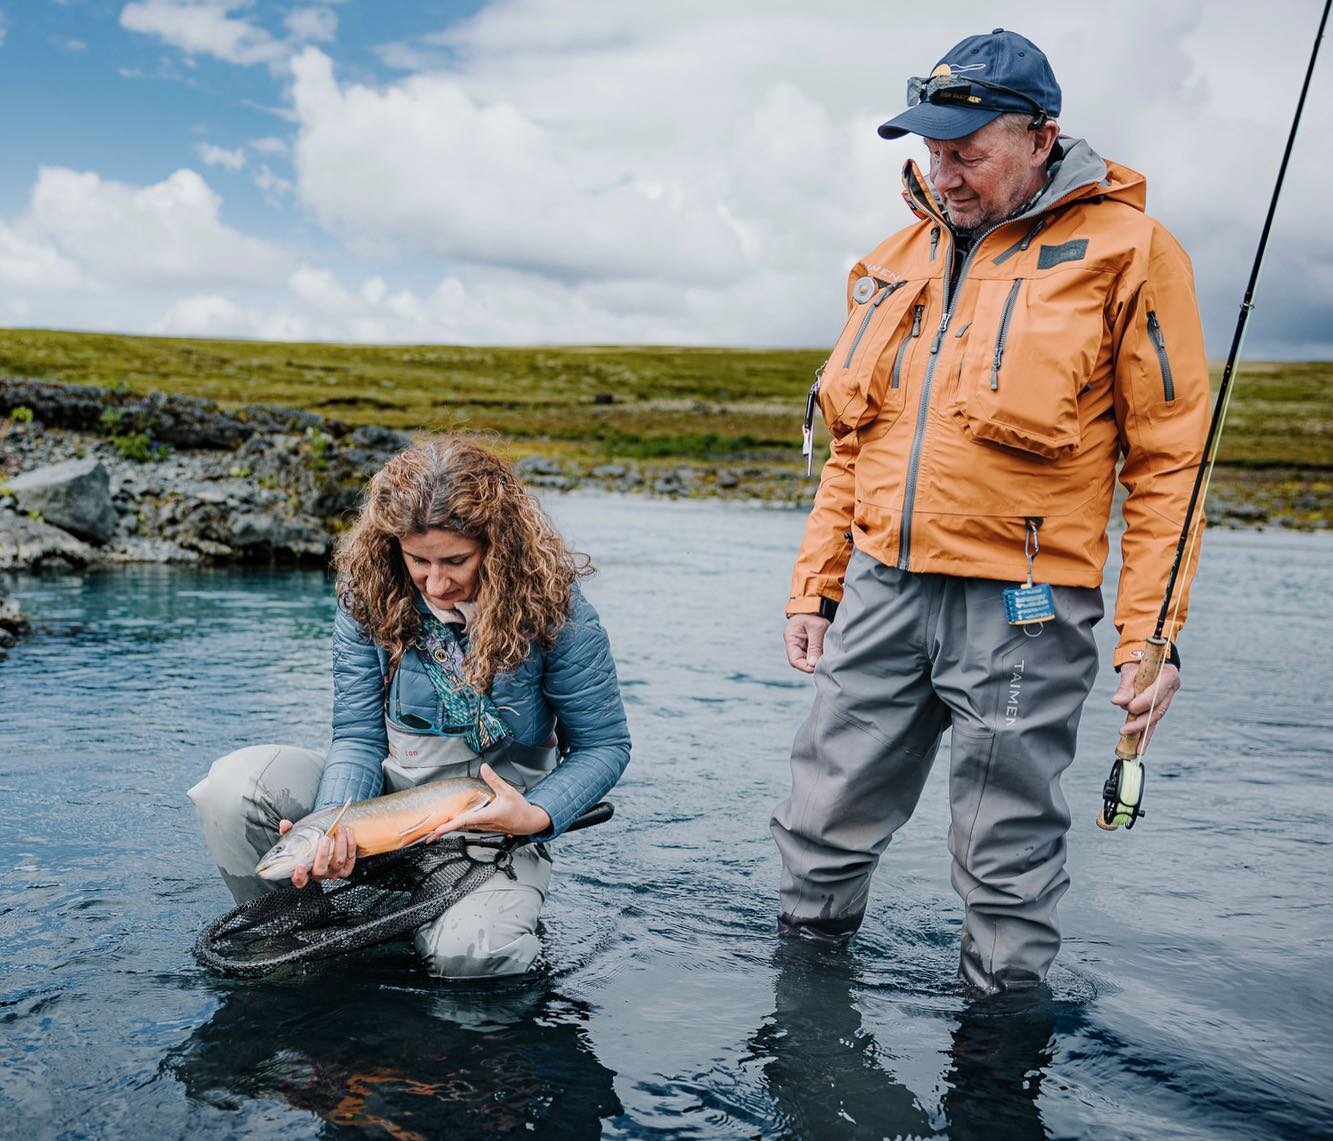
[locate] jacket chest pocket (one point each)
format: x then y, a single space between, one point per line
1032 346
863 378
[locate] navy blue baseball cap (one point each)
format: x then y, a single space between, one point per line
977 81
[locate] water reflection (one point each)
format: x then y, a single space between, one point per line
828 1075
404 1061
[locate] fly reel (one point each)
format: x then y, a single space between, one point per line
1122 794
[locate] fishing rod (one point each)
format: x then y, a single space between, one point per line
1122 794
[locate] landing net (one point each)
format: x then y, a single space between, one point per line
386 897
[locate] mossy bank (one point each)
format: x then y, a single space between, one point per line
681 421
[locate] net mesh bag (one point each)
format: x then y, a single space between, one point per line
385 897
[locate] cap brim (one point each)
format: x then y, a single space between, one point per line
936 121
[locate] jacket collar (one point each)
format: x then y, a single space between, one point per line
1080 173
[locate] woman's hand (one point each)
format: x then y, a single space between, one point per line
508 812
334 859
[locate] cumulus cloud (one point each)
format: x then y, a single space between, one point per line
29 263
219 156
215 315
166 234
706 173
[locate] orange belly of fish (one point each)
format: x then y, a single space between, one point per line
378 832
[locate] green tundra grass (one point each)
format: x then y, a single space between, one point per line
736 410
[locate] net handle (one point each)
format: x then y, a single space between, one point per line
599 813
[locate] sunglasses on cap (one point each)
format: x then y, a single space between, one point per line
969 92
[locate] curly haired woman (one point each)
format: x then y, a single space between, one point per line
450 560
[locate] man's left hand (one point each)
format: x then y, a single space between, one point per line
508 811
1156 697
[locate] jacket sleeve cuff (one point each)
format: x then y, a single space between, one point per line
1132 651
813 604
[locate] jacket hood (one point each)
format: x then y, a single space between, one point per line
1080 173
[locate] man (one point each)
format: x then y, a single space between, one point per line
1030 327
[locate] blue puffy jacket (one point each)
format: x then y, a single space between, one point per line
573 682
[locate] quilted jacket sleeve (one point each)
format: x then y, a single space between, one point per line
352 769
579 682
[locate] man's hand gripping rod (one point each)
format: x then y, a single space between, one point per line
1122 794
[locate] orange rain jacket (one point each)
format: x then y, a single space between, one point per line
1071 337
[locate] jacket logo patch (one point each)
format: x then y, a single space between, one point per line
1074 250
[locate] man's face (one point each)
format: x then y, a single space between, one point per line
983 177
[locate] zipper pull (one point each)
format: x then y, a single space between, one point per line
995 375
1155 329
939 335
808 425
916 320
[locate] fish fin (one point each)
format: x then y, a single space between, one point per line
338 819
413 827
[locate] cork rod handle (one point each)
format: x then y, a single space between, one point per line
1150 665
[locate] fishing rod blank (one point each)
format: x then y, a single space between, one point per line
1123 792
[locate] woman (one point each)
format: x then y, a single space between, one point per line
461 644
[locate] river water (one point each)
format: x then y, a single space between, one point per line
1192 997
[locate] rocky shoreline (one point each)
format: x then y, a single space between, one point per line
94 476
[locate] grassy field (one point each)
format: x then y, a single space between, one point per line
716 409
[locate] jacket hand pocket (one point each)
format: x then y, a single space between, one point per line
863 379
1032 346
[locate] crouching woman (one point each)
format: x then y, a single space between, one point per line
462 644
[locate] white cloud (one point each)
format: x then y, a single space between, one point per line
312 25
269 145
273 186
219 156
213 315
697 172
29 263
205 27
166 234
422 164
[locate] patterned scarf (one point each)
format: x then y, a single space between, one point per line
466 710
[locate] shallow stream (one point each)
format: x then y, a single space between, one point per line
1192 998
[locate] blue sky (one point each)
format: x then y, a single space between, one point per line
528 171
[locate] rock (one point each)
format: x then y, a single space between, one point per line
608 471
298 538
1246 512
553 482
74 495
668 484
12 622
375 439
538 465
727 479
133 549
26 544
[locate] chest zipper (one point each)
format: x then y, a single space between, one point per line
1159 343
1003 334
865 321
917 314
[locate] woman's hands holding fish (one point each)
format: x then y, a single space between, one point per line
508 811
334 859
